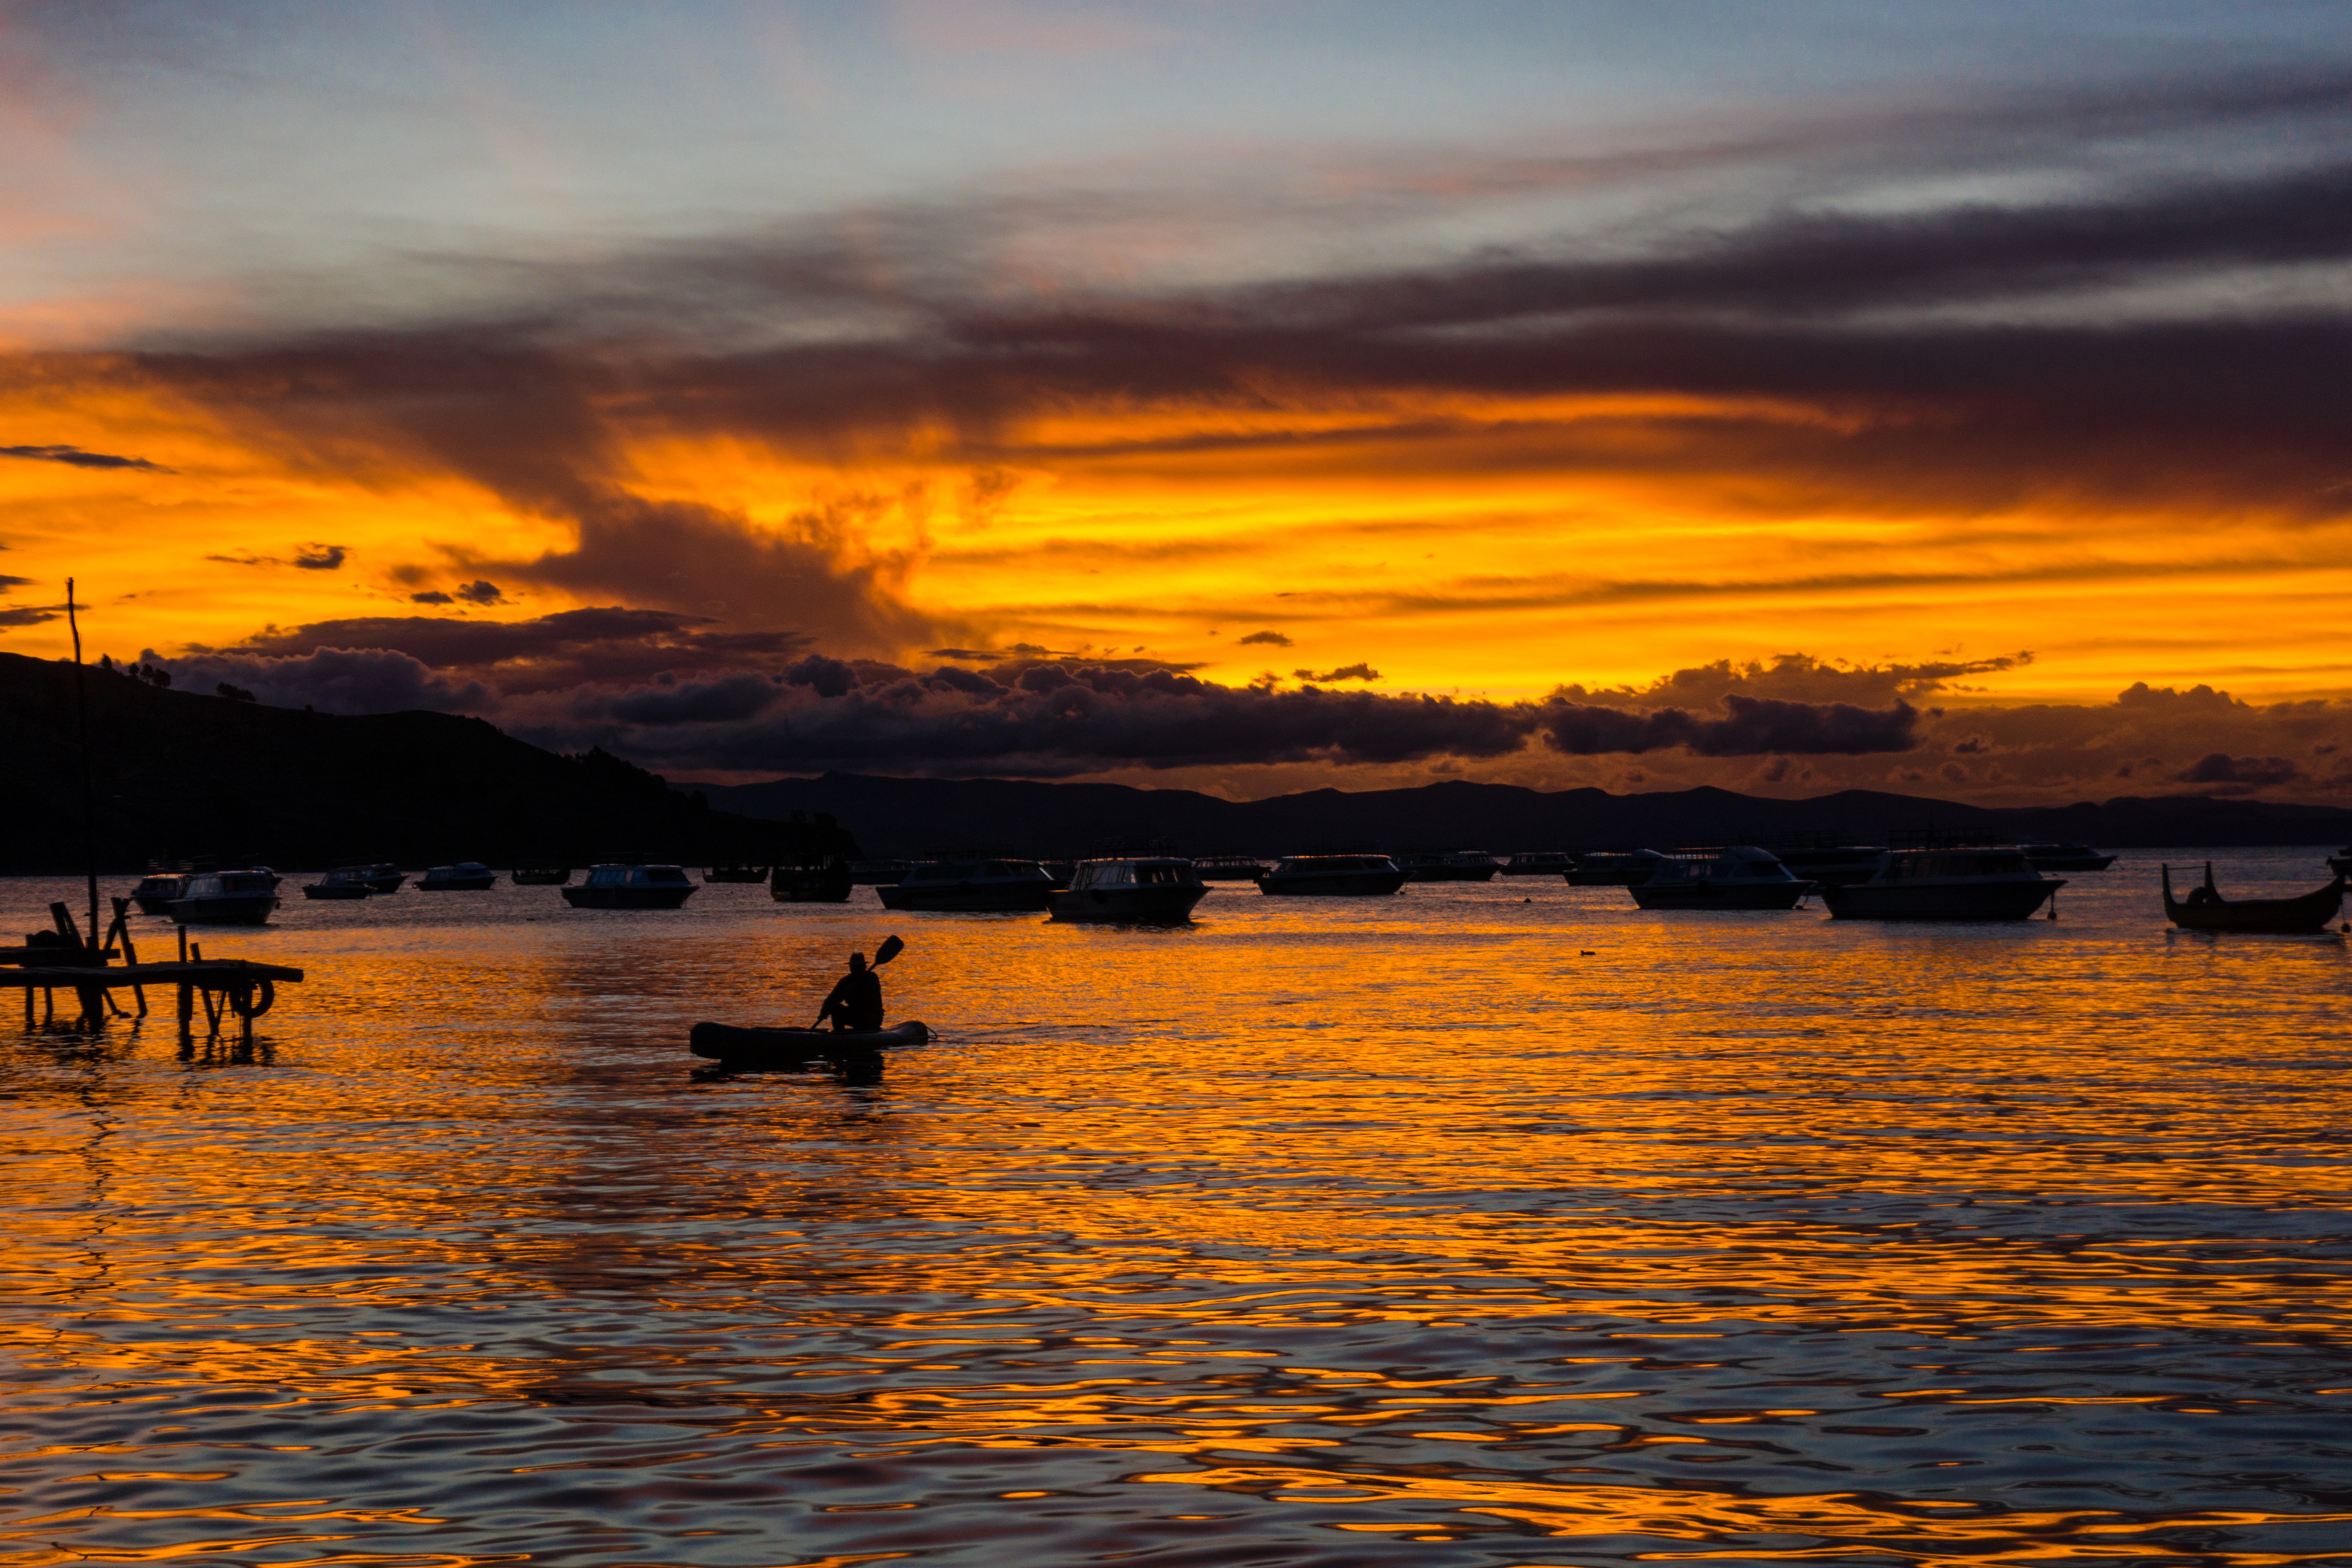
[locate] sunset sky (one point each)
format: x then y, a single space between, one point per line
1241 396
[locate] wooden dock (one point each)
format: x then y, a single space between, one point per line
226 987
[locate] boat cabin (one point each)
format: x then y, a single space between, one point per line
1133 874
638 877
1918 864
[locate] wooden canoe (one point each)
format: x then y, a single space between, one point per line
2206 910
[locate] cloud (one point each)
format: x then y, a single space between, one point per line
309 558
2220 768
1271 639
569 648
334 679
480 592
1345 672
7 582
25 617
1750 727
431 596
74 456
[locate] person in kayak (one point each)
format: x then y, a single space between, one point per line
855 1000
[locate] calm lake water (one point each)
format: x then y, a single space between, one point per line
1446 1229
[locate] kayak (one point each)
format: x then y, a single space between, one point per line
789 1048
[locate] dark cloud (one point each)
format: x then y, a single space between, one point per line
74 456
1050 720
1345 672
1273 639
334 680
322 557
2220 768
1750 726
25 617
7 582
567 648
431 596
480 592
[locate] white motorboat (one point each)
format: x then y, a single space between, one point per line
465 877
156 890
227 898
1344 875
630 886
1161 888
1987 883
1448 865
343 882
1741 877
970 887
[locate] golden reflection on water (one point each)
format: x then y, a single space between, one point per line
1316 1231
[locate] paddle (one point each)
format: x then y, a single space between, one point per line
891 948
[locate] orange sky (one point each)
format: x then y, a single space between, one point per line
1920 376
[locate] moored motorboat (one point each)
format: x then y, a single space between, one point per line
1161 888
872 873
542 876
465 877
1614 868
2066 858
1228 868
751 1049
1829 865
1991 882
1447 866
826 881
385 878
733 872
2206 910
227 898
157 889
970 887
1539 863
1740 877
1333 876
632 886
343 882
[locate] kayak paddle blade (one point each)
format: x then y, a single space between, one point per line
891 948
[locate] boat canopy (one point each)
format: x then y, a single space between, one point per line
638 877
1133 873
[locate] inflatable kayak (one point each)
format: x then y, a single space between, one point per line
790 1048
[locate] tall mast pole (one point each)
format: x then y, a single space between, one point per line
88 813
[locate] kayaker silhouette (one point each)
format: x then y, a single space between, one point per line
855 1000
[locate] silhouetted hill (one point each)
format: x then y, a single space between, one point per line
178 775
904 817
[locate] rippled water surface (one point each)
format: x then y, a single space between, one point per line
1446 1229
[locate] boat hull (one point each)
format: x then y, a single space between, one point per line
2301 916
1559 868
1163 903
336 891
811 885
968 898
1971 901
1332 884
154 904
1721 896
388 883
248 911
1452 873
655 897
742 1048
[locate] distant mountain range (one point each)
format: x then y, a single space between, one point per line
911 817
176 774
